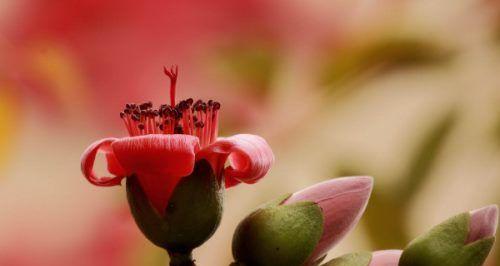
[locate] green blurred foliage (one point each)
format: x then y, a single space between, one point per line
385 217
496 133
250 65
380 55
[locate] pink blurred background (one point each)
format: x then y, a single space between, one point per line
405 91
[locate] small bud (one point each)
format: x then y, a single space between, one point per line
463 240
192 215
342 201
301 228
377 258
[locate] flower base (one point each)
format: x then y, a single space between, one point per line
192 215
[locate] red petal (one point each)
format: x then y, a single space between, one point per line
250 157
159 161
88 159
114 166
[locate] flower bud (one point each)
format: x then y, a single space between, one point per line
463 240
192 214
377 258
300 229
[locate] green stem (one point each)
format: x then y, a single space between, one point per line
181 259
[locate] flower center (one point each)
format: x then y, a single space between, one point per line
198 118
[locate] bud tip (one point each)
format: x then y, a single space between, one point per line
483 223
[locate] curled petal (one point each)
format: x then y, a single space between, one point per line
159 161
114 166
342 201
88 159
385 258
249 155
483 223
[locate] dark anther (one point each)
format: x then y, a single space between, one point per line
146 105
182 106
122 114
216 106
127 111
160 126
210 102
189 101
178 130
199 124
141 126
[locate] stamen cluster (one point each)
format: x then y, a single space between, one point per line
198 118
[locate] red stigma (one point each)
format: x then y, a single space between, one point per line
172 73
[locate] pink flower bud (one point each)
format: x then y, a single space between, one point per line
483 223
342 202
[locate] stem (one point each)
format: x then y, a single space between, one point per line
181 259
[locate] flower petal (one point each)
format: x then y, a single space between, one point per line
159 161
483 223
157 154
385 258
114 166
249 155
88 159
343 201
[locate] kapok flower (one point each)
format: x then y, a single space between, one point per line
299 229
175 168
164 144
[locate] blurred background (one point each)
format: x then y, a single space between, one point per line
405 91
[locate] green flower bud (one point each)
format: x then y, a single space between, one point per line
278 234
300 229
463 240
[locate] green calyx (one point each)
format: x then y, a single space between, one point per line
351 259
445 244
278 234
192 215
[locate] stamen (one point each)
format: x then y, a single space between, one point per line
196 118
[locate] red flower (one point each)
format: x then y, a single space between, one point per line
165 143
